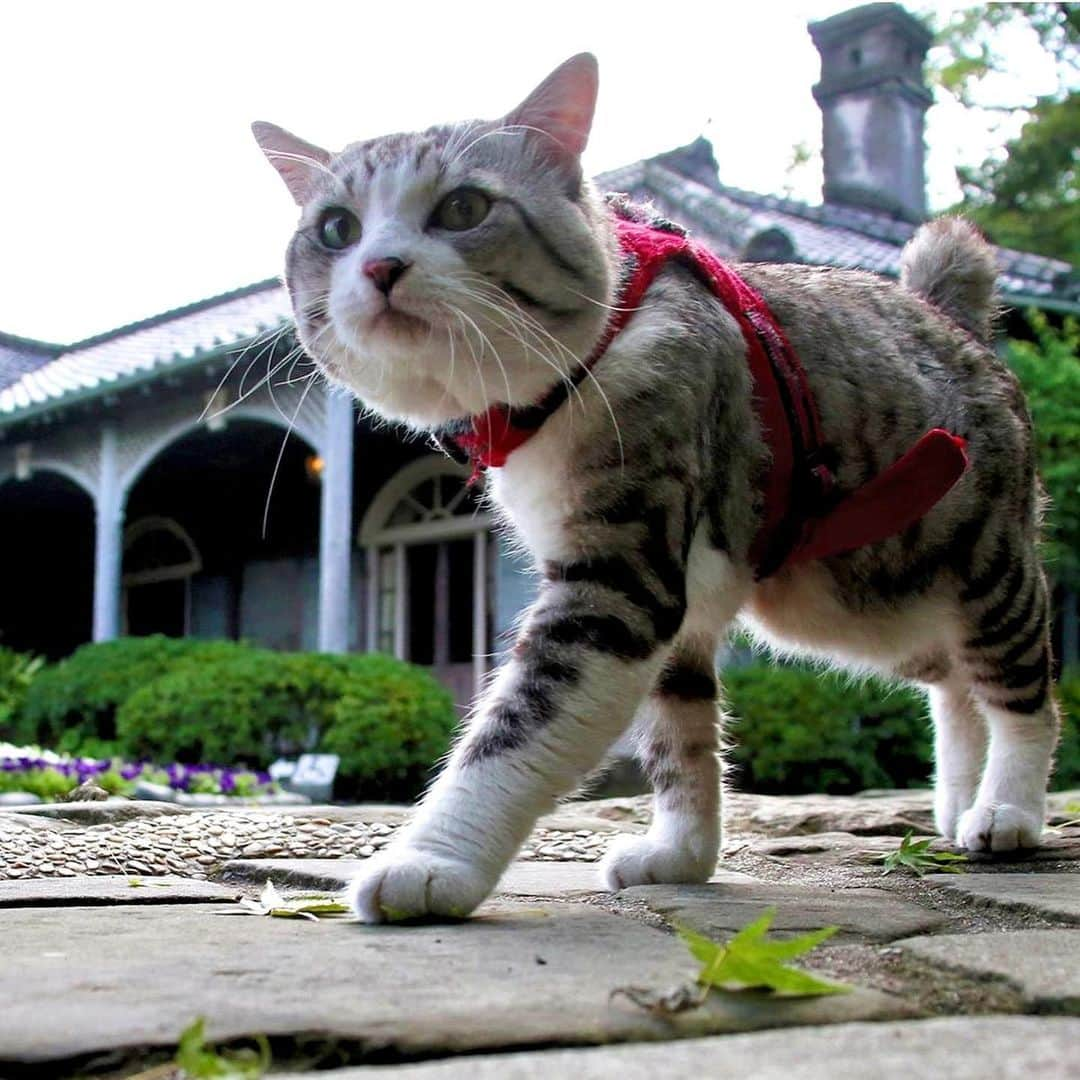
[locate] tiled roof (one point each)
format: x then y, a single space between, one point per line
146 347
18 356
682 183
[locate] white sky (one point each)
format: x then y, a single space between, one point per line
131 184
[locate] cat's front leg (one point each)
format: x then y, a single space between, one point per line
582 664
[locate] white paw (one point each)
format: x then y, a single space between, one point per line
406 882
998 827
639 860
949 805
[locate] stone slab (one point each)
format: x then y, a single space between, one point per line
719 910
82 980
884 814
1043 964
1056 895
525 878
1059 847
108 812
967 1048
109 889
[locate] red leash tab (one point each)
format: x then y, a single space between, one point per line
889 503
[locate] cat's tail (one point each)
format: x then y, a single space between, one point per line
948 263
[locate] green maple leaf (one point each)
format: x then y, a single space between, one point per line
749 961
916 856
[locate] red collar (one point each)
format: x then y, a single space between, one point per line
803 517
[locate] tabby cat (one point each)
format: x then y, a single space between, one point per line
436 275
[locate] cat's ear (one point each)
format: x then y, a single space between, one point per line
298 162
562 106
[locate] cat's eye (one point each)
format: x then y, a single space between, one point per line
338 228
462 209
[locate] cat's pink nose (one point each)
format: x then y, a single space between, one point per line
384 272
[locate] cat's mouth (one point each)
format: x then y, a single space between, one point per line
392 320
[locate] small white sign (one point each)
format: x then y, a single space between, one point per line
314 776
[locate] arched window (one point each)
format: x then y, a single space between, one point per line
160 560
429 572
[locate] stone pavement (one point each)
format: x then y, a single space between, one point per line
972 975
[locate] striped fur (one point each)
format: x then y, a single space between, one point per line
639 497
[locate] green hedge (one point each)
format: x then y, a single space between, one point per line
794 729
389 721
71 706
17 674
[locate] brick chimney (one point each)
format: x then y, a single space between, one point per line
873 100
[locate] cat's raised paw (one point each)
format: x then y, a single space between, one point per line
410 883
998 827
639 860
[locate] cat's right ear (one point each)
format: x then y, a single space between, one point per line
561 108
297 162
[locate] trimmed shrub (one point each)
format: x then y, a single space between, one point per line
391 725
71 706
17 673
794 730
389 721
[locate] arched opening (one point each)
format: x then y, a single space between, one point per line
196 558
47 548
429 570
160 560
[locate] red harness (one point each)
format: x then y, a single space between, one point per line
804 517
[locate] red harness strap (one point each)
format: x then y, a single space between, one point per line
803 517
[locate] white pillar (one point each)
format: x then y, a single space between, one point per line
374 595
335 526
108 540
401 602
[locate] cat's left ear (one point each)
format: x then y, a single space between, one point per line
297 161
562 106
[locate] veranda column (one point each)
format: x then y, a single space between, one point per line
108 540
335 526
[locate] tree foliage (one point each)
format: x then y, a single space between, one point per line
1029 196
1049 370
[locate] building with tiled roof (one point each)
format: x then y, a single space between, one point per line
146 483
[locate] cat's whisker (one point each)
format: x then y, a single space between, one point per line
588 372
485 342
598 303
476 363
505 129
508 325
281 455
262 381
516 323
540 330
449 382
266 340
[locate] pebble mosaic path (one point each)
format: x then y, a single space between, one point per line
114 941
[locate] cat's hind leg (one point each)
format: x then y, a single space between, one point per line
959 751
1007 655
676 734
